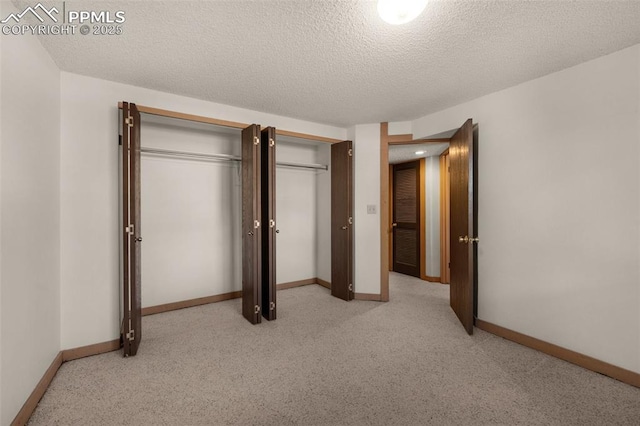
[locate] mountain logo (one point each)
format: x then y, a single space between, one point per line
34 11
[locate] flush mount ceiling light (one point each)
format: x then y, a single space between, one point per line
419 152
398 12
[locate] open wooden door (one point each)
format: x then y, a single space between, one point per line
342 220
131 333
463 233
268 171
251 223
406 218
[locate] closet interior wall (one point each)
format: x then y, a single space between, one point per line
192 212
302 211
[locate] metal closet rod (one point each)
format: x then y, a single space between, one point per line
225 157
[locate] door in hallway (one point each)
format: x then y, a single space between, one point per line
251 225
342 220
463 181
406 218
131 332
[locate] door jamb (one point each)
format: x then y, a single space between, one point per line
444 224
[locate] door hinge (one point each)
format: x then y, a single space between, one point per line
256 140
129 121
449 265
272 142
272 306
129 229
257 309
256 224
131 336
350 287
350 152
119 139
350 220
272 223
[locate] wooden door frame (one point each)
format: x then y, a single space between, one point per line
444 213
387 140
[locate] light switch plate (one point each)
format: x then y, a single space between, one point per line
371 209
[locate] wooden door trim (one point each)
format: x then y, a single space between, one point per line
225 123
400 139
422 198
385 223
390 226
444 212
415 141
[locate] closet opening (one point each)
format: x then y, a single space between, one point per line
183 185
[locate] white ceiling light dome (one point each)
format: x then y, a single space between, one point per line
398 12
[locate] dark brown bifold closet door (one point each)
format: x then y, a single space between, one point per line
342 220
268 172
463 205
251 223
131 239
406 218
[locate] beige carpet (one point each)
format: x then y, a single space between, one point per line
329 362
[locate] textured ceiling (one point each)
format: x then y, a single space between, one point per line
337 62
403 153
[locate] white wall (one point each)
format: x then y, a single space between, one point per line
29 224
366 151
89 194
559 192
400 127
191 214
296 213
432 213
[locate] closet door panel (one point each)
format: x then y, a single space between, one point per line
251 225
132 238
268 172
342 220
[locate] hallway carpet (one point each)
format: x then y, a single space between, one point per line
329 362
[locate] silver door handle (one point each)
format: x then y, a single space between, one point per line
344 228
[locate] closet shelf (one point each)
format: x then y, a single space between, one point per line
224 157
